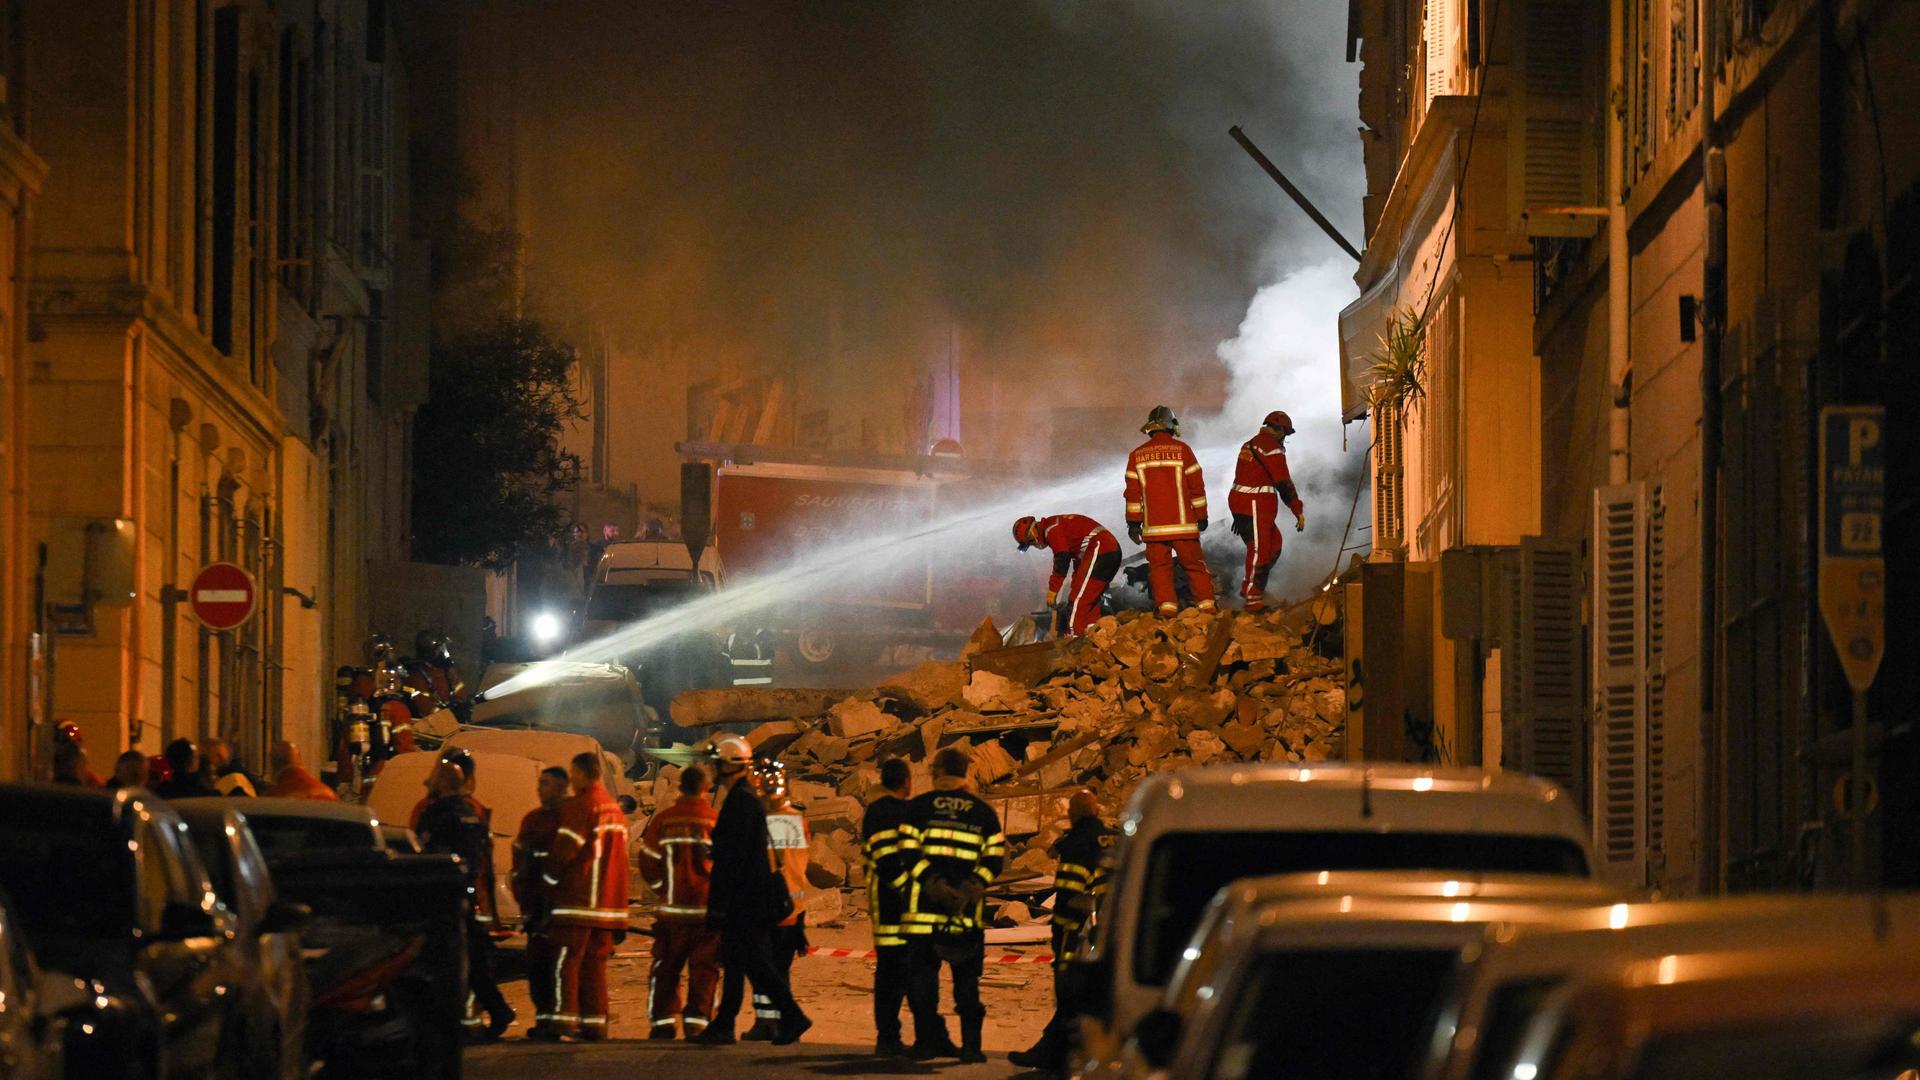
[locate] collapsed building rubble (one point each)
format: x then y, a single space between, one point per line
1135 695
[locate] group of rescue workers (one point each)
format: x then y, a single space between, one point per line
1166 513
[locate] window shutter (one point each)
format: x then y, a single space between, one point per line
1655 843
1555 142
1620 751
1386 478
1437 34
1549 714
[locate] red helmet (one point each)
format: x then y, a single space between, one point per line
1023 533
1279 422
67 731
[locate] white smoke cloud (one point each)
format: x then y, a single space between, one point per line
1286 355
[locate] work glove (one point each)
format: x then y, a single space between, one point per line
1300 520
1203 524
1133 531
1242 527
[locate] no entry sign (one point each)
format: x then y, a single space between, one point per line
222 596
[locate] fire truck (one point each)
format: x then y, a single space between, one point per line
775 508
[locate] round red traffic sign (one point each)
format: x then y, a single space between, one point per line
222 596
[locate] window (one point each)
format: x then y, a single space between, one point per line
1356 1013
1388 506
226 148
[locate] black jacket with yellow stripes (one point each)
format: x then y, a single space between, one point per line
954 836
1085 855
889 860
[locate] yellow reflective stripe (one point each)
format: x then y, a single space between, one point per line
985 874
1134 508
1199 502
1193 468
953 834
883 834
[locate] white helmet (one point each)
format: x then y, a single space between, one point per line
732 750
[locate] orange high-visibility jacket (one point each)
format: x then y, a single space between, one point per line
676 857
1165 492
586 866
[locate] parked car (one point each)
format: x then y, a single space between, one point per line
109 890
602 701
1489 1009
1187 834
34 1008
1356 961
386 946
277 991
1783 1012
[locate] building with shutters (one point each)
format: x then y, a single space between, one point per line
1706 264
223 343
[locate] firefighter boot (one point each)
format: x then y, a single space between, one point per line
970 1053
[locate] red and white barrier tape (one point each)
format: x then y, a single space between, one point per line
992 958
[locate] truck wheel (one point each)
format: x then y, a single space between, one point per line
816 644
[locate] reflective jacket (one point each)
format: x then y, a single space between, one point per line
587 865
953 836
530 847
676 857
1262 468
789 843
1072 538
888 860
1166 494
1080 880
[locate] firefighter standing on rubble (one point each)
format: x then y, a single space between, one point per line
1080 546
1261 484
958 849
1167 511
1080 879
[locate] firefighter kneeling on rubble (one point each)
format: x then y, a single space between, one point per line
957 849
1082 547
1167 511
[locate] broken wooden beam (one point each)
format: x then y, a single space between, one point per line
753 704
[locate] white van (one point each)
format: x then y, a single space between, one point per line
637 578
1187 834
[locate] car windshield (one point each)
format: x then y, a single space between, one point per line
625 603
67 877
1185 869
284 838
1864 1046
1352 1013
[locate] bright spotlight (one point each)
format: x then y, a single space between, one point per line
546 627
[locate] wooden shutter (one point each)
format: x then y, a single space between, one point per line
1439 32
1655 841
1555 141
1549 714
1387 504
1619 682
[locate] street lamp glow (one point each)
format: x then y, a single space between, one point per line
546 627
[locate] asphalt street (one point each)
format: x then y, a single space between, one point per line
623 1059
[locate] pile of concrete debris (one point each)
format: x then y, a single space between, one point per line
1134 695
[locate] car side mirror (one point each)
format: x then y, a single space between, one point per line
180 920
285 917
1158 1036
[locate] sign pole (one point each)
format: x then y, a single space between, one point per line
1853 583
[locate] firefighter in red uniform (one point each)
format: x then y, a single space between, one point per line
1167 511
530 846
676 859
586 868
1261 484
1080 546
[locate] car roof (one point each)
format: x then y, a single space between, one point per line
205 809
1360 797
71 800
308 808
1421 884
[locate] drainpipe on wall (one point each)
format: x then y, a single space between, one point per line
1712 325
1619 259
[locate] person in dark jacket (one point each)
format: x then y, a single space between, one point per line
883 848
452 824
958 849
186 781
745 899
1080 879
